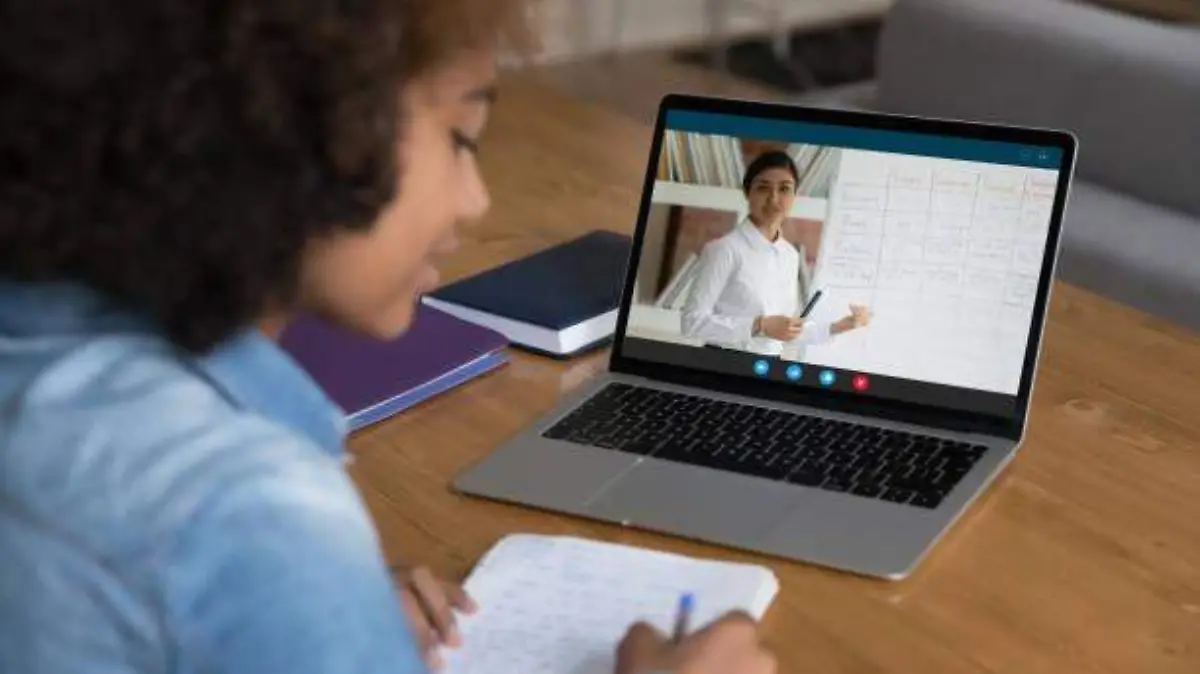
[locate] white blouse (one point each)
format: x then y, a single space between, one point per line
742 276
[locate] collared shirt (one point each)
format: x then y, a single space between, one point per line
161 512
739 277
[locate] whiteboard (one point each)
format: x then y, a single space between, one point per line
947 253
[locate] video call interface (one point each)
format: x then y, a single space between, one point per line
880 263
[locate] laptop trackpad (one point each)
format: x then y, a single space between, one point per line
695 502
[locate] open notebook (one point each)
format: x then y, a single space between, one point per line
558 605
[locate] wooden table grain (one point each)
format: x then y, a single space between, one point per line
1084 557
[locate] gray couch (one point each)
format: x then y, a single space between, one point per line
1129 88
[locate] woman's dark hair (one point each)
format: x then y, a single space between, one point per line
180 156
769 160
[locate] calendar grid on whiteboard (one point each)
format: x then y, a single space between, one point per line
947 253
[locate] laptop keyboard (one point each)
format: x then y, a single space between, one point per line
919 470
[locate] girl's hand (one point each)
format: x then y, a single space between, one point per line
430 604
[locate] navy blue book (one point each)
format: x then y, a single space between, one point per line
559 301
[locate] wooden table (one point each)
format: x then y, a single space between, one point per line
1085 557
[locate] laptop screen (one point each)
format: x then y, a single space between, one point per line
892 264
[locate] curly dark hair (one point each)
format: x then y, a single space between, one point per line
179 156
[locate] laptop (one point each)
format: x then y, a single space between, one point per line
920 254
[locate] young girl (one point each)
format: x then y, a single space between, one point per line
177 180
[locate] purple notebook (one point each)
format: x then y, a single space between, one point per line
372 380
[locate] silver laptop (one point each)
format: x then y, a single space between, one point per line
827 339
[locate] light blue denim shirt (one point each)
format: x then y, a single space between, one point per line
167 513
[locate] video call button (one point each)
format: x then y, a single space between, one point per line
827 377
794 372
860 382
761 368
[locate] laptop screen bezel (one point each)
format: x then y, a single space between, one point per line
1010 426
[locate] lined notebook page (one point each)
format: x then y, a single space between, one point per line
560 605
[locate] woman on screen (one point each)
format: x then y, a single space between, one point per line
746 295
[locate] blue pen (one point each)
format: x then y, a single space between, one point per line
683 617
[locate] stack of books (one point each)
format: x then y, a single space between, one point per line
559 301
